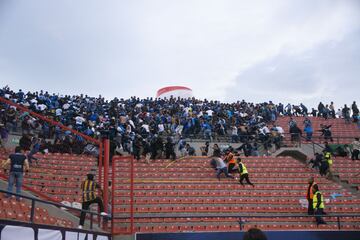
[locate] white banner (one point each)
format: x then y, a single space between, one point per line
10 232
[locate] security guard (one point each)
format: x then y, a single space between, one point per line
328 158
310 196
318 205
243 173
89 187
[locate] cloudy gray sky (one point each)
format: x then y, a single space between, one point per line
289 51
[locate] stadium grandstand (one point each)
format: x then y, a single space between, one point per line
170 168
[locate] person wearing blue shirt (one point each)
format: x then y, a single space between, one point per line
18 163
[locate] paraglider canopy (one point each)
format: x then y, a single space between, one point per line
174 91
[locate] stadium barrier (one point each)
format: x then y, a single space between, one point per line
10 230
33 206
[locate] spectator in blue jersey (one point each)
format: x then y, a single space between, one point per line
18 164
309 132
206 128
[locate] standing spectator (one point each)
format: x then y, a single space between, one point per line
170 149
346 114
216 151
35 148
355 149
206 128
25 142
89 187
304 110
243 173
292 122
307 122
205 149
3 135
234 134
310 196
326 132
309 132
295 133
137 144
318 205
18 163
332 110
321 108
355 111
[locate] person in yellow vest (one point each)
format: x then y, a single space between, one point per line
244 174
310 196
318 205
89 188
328 158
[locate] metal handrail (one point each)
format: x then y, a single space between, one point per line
242 218
34 200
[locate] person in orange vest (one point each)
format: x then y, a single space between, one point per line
230 159
310 196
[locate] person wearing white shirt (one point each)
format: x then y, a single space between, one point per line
280 130
79 120
209 112
161 127
146 127
58 112
221 168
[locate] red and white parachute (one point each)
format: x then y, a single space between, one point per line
174 91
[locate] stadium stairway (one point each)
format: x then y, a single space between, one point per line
347 170
186 196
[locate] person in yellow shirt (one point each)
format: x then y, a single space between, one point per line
89 188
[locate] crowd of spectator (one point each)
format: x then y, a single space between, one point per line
151 126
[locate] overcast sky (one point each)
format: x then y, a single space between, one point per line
228 50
